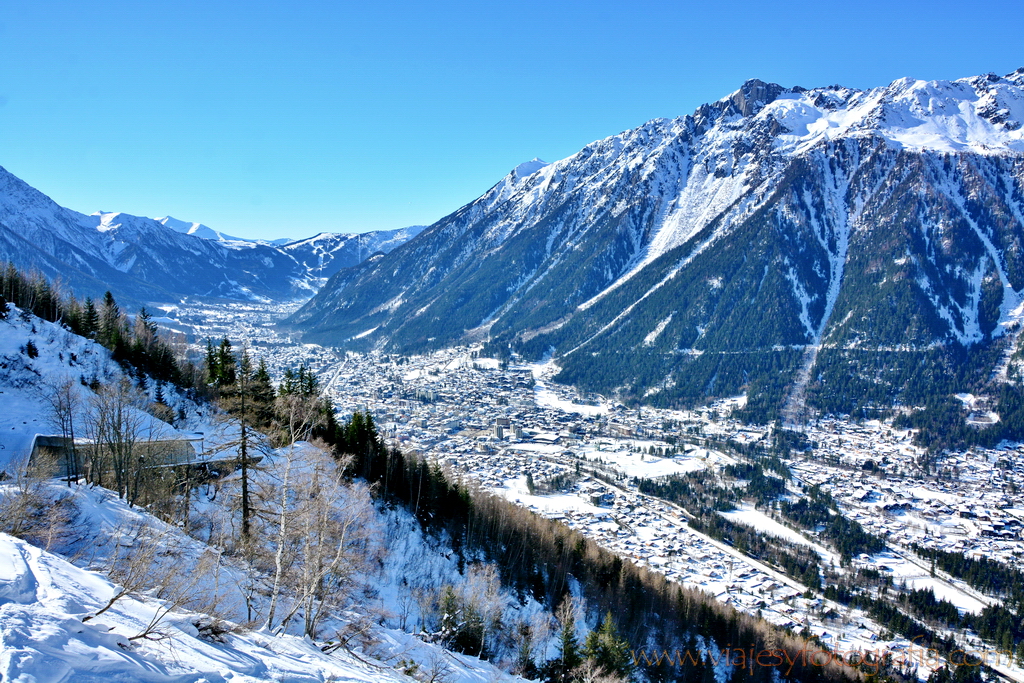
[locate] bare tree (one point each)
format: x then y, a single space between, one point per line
30 509
180 588
592 672
335 543
131 566
323 535
438 670
65 403
282 553
115 426
145 562
426 601
482 592
299 416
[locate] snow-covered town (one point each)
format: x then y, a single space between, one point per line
508 428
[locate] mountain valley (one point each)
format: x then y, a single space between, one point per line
748 380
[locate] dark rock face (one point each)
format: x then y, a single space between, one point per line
754 94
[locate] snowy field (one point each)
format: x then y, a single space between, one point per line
647 466
916 577
547 398
550 505
631 464
747 514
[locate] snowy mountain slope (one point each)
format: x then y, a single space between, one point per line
46 634
44 599
200 230
323 254
145 260
772 220
60 355
137 258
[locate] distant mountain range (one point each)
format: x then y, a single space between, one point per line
200 230
853 248
145 260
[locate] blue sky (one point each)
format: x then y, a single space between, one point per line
287 119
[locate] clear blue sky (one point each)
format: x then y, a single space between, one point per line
289 118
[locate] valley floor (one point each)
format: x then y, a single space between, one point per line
510 428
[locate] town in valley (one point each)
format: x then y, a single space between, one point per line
508 428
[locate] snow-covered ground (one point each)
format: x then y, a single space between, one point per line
44 636
547 397
550 505
916 577
51 630
647 466
747 514
53 626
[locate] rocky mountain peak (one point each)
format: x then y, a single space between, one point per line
754 94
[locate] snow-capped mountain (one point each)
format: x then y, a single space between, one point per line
206 232
328 252
717 252
323 254
142 259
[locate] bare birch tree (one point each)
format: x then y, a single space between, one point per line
299 415
65 403
482 593
115 426
322 534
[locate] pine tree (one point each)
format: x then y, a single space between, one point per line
450 616
212 366
144 339
607 649
90 320
525 666
263 396
237 400
559 669
301 382
110 332
287 383
71 314
225 364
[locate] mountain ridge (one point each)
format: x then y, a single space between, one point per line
802 176
146 260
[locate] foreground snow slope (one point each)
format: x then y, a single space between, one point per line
53 626
43 600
